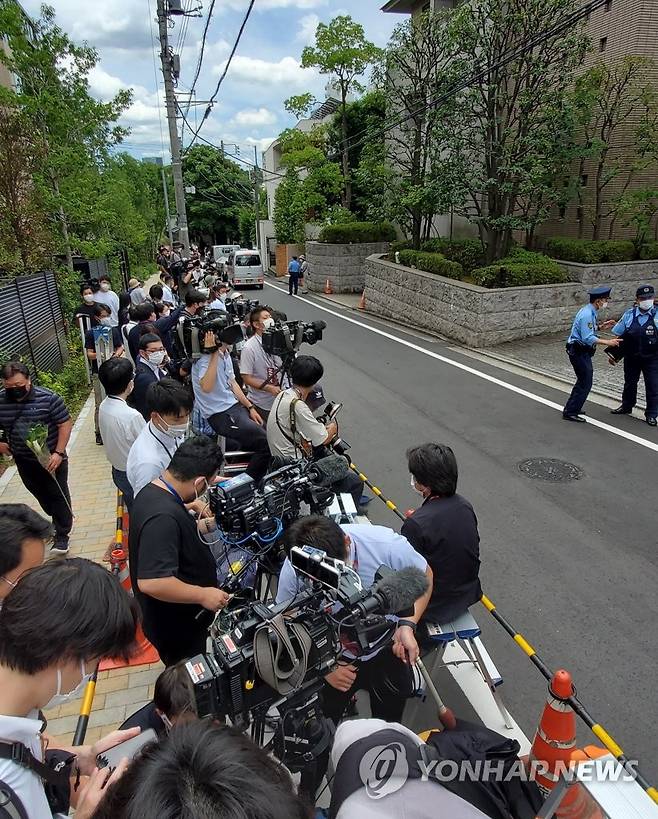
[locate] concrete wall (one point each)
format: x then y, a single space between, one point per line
343 265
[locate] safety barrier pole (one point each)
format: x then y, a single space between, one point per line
597 729
377 491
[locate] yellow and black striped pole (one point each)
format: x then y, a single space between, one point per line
85 710
597 729
376 491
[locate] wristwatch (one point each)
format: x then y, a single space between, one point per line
249 409
413 626
61 454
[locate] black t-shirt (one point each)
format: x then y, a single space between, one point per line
90 344
445 532
147 717
164 543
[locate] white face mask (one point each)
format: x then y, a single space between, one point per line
646 304
605 305
105 286
88 298
414 487
61 699
157 358
106 322
269 322
176 430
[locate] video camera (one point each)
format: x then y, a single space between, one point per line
262 659
192 331
286 337
240 308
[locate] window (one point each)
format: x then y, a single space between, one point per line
603 42
579 214
252 260
563 211
583 180
608 5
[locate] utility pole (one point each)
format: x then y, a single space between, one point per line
166 200
257 201
174 139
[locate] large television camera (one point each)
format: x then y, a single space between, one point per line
286 337
240 308
192 332
275 657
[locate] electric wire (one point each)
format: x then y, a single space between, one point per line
201 55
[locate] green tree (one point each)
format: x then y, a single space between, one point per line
621 102
223 191
342 51
77 130
509 128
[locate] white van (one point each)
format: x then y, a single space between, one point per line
220 253
244 267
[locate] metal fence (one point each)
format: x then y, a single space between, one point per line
31 322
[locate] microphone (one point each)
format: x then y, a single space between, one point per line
329 470
395 592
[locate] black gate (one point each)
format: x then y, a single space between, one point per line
31 322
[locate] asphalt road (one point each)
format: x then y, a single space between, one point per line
571 564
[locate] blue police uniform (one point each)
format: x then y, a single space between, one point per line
581 346
639 334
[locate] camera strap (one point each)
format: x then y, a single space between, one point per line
281 652
292 419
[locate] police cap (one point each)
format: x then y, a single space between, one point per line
645 291
600 292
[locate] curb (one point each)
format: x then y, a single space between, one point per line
77 426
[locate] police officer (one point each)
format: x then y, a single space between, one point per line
581 347
637 329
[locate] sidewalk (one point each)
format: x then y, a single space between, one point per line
120 692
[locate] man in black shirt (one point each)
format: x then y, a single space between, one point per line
171 568
444 530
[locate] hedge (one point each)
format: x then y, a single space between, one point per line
587 251
431 263
357 233
399 245
468 252
649 251
521 268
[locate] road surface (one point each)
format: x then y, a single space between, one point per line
571 564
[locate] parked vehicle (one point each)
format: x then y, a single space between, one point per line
245 268
220 254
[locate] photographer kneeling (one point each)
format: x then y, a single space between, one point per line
171 568
294 433
55 626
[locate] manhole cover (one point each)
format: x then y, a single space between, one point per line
550 469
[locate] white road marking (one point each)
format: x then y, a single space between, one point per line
478 373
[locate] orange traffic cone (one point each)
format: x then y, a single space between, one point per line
328 289
553 746
362 301
144 653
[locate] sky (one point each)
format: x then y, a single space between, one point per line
265 71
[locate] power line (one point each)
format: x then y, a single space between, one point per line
155 77
224 73
201 53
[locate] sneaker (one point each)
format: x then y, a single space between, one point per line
60 547
99 440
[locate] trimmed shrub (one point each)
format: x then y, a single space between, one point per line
399 245
468 252
357 233
649 251
520 269
431 263
587 251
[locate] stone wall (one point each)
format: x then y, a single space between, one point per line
343 265
475 316
623 277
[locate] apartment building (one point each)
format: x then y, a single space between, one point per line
7 79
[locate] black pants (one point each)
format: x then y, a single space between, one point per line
581 361
121 482
52 492
293 284
235 423
634 366
352 485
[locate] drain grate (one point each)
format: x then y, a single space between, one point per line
551 469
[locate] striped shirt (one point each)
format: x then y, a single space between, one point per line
42 406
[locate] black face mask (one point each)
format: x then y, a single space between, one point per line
15 393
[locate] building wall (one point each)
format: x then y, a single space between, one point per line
629 27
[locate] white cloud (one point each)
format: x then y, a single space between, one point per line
262 144
252 117
307 28
286 72
266 5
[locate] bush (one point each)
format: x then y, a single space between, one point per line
398 246
70 383
587 251
649 251
431 263
468 252
357 233
521 268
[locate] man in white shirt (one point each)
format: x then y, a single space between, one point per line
170 407
137 294
119 424
106 295
221 401
260 371
45 661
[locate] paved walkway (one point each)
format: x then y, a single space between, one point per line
120 692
